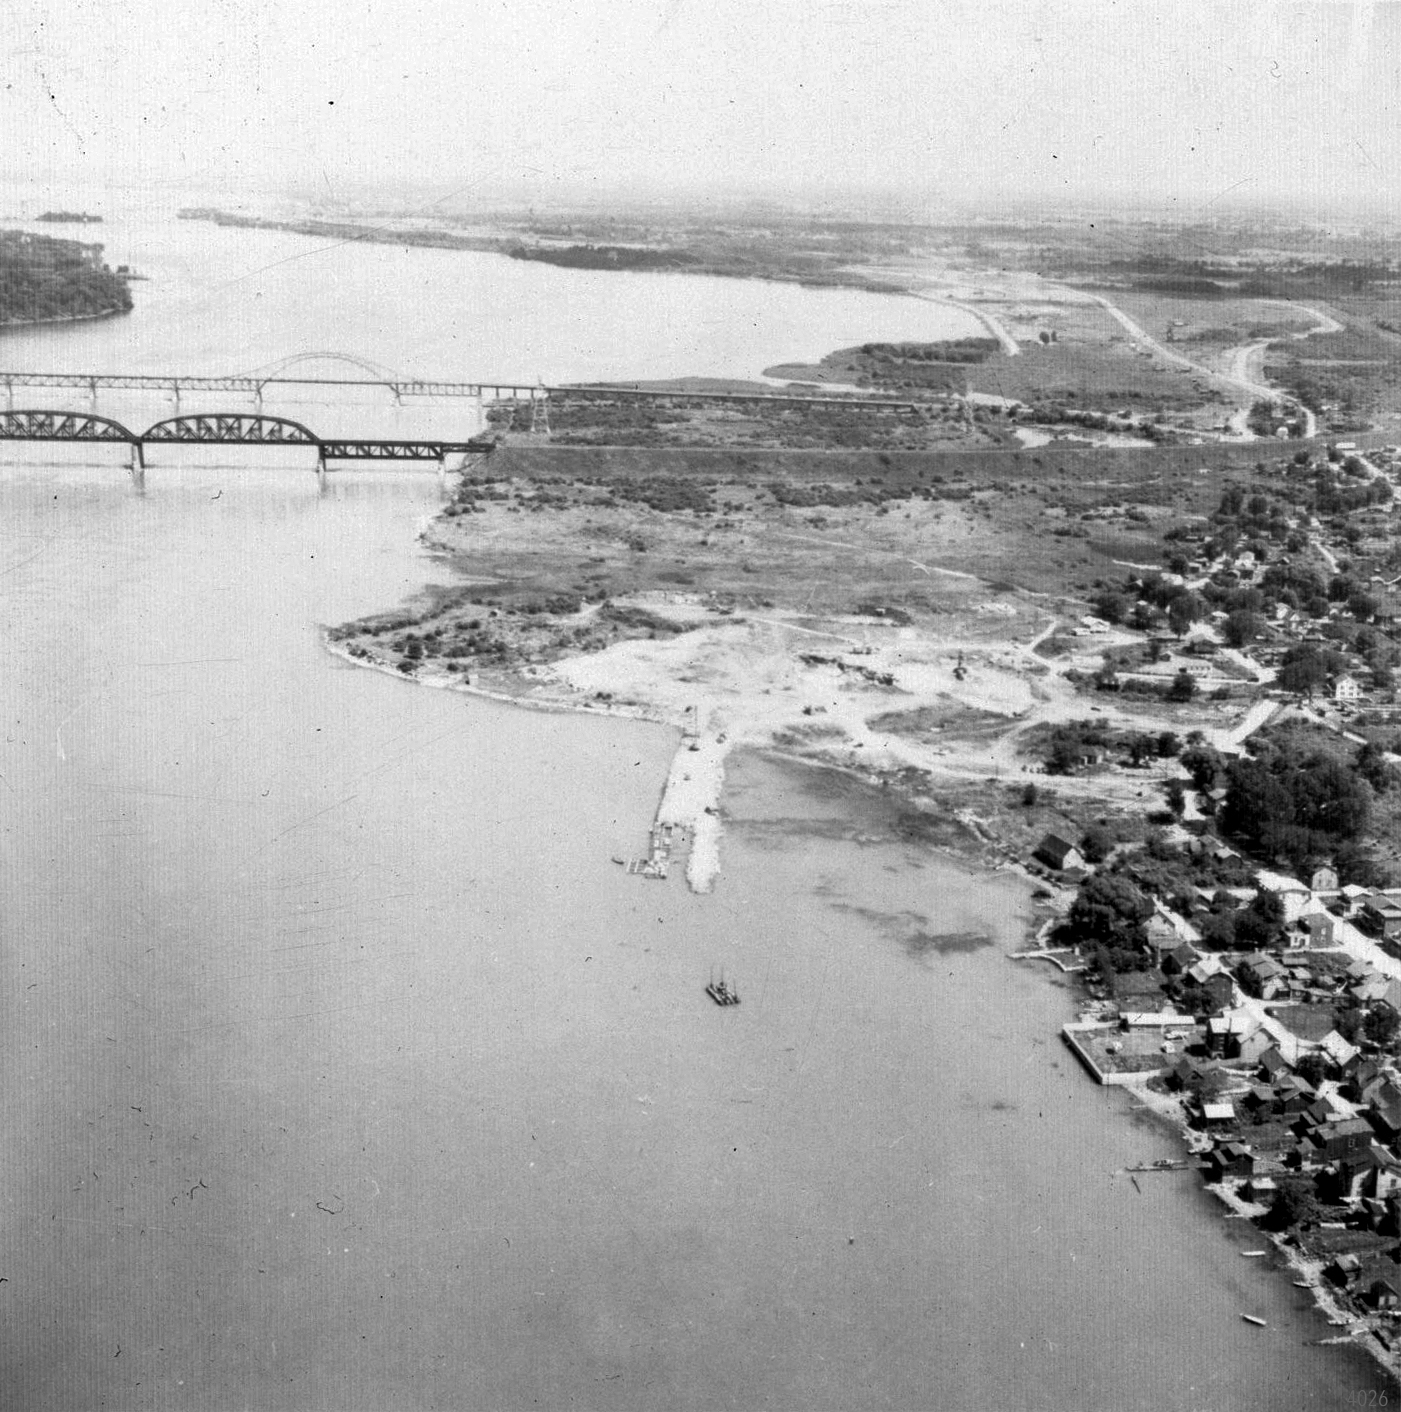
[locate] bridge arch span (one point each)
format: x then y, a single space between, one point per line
62 426
378 374
247 429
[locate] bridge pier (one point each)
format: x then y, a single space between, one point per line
138 465
321 469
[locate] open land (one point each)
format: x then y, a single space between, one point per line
1090 598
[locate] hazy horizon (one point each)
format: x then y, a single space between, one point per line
1189 105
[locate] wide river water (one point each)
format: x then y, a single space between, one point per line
344 1070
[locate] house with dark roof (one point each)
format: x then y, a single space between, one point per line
1177 959
1262 976
1057 852
1383 1108
1215 993
1347 1138
1296 1095
1381 915
1378 1284
1230 1159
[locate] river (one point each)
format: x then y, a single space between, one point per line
343 1068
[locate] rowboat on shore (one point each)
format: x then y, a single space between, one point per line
1254 1319
1303 1284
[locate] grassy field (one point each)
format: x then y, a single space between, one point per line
1212 321
682 422
1101 376
840 527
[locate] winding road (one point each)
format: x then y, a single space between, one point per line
1236 377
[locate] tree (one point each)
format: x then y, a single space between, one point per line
1096 843
1293 808
1205 765
1183 688
1260 924
1029 796
1363 606
1305 668
1108 908
1111 605
1167 745
1294 1204
1356 866
1381 1025
1347 1020
1372 765
1218 930
1242 627
1176 798
1184 610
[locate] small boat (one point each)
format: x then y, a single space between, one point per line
1254 1319
1254 1254
721 992
1302 1284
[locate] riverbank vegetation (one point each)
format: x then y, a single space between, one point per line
44 278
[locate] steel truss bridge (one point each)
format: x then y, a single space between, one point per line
178 383
226 429
537 394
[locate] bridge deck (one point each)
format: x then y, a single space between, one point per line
439 387
182 382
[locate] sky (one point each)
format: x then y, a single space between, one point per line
935 101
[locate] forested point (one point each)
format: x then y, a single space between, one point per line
44 277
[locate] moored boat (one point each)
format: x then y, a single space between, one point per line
1254 1319
722 993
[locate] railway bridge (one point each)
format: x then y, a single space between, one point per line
228 429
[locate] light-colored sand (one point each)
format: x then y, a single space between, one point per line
821 688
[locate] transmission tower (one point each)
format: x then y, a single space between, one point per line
540 411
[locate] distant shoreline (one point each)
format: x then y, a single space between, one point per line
616 259
62 319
